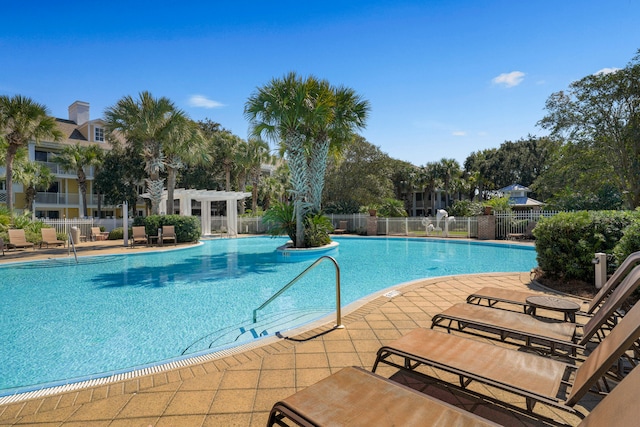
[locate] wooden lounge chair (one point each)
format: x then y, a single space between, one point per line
169 234
493 296
538 379
354 397
49 237
534 330
138 235
17 240
96 234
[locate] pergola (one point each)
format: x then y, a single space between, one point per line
205 197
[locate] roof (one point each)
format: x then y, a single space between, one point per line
524 201
514 187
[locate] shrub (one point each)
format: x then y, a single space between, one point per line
117 234
629 242
280 219
465 208
316 230
566 243
187 227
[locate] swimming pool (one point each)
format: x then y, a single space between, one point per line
61 320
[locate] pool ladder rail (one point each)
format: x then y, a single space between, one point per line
339 324
72 245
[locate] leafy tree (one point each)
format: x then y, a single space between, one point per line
23 120
76 158
392 208
147 124
599 118
362 174
118 176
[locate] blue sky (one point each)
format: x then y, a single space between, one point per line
444 78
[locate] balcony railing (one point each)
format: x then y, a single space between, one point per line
59 171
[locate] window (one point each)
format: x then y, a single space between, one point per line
41 156
99 134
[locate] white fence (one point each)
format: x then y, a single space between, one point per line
65 225
516 222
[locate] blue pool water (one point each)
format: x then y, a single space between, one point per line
60 320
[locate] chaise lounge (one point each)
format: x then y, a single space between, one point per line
538 379
354 397
169 234
139 235
493 296
49 237
531 329
17 240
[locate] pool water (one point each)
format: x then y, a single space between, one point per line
61 320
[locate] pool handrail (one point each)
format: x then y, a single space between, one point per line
72 244
299 276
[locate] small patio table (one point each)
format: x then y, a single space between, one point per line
569 308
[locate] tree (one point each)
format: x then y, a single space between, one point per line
23 120
600 116
305 116
148 124
121 169
76 158
254 153
32 176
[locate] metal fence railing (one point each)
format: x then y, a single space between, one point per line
517 222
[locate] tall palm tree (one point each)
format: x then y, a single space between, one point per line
185 145
305 116
33 175
77 158
23 120
255 154
227 151
147 123
280 111
450 171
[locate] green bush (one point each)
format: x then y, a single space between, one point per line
187 227
463 208
316 230
629 243
117 234
567 242
280 220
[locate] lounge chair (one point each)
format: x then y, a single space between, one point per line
538 379
493 296
351 397
17 240
49 237
139 235
342 228
541 331
2 246
96 234
169 234
354 397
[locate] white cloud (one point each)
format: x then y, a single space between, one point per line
606 71
459 133
511 79
202 101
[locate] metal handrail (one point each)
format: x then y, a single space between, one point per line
72 244
288 285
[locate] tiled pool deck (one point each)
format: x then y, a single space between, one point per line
238 389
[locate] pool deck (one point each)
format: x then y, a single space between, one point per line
238 388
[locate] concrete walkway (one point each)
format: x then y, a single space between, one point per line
238 388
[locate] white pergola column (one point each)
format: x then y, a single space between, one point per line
232 217
205 217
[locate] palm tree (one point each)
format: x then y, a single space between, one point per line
147 123
186 145
305 117
33 175
77 158
449 172
23 120
255 154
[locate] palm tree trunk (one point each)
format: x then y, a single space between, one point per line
171 184
82 185
12 149
318 167
300 183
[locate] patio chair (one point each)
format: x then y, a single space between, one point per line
139 235
49 237
508 296
355 397
342 228
169 234
538 379
541 331
96 234
17 240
